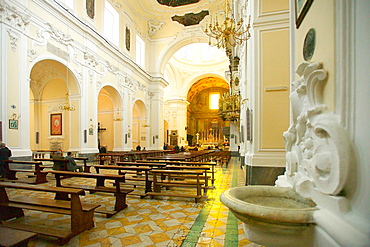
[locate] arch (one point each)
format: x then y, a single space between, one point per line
201 120
170 50
50 83
110 118
139 124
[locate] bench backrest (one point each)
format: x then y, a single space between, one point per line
178 171
122 167
87 175
41 188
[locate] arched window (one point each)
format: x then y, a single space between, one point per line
140 51
213 101
111 24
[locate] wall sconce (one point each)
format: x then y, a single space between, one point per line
14 116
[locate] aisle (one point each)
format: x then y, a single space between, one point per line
160 221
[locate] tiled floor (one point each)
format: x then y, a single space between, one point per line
159 221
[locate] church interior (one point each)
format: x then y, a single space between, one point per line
220 122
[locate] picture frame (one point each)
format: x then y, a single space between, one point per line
301 9
13 124
56 124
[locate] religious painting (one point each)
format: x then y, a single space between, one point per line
176 3
56 124
301 9
190 18
90 8
128 38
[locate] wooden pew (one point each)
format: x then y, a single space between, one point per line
185 163
86 167
35 168
162 178
120 194
153 165
121 169
84 159
15 238
204 177
12 207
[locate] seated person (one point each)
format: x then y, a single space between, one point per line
58 165
103 149
71 165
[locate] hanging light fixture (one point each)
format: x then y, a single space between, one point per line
66 106
118 116
228 34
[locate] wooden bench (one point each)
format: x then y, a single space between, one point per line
14 238
137 170
12 207
119 193
187 163
162 178
34 167
86 167
204 177
153 165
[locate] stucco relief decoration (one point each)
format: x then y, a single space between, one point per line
12 16
91 60
111 68
40 75
154 26
318 148
57 35
13 36
32 54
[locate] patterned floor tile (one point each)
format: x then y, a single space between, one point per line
162 221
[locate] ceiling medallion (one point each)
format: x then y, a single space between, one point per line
176 3
309 44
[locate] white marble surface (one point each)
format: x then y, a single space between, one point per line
269 203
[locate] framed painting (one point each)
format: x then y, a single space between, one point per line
90 8
56 124
301 9
13 124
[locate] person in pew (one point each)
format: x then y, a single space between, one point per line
103 149
58 165
5 153
72 165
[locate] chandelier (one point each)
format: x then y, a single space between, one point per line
229 107
228 34
66 106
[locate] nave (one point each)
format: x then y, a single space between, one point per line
156 222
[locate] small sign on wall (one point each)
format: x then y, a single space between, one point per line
13 124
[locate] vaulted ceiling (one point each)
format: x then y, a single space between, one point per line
169 17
